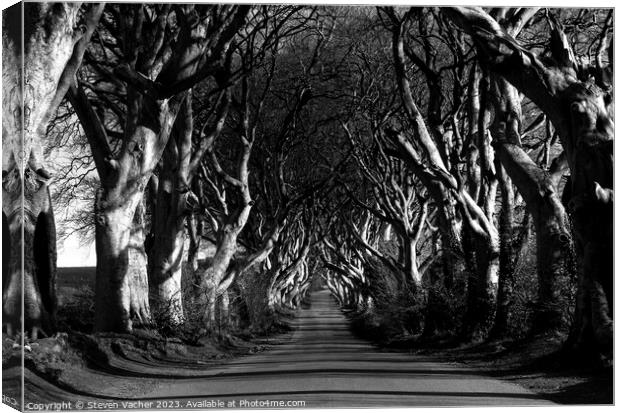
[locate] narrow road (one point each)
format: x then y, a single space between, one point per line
324 365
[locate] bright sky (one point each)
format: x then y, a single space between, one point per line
74 253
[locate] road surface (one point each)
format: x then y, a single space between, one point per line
324 365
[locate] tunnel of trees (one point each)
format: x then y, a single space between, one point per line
446 172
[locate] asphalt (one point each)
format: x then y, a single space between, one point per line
325 365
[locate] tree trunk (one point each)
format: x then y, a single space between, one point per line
45 61
591 332
583 337
481 288
211 283
30 225
114 220
411 262
436 319
449 225
484 262
581 111
549 217
123 181
224 312
553 240
152 107
174 202
506 281
208 281
139 308
256 258
483 272
194 225
552 260
591 209
283 276
166 254
409 258
451 234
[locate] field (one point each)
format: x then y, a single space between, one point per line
72 282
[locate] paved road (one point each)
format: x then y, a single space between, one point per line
324 365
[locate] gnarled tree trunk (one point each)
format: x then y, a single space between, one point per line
53 52
139 306
553 240
506 280
579 108
156 90
208 281
194 226
173 202
113 227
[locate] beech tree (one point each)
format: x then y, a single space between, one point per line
55 36
576 96
426 159
344 261
415 158
151 83
263 74
398 202
291 267
173 202
229 222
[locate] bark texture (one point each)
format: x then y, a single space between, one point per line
173 204
579 107
506 280
156 90
54 38
139 305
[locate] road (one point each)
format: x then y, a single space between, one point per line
322 365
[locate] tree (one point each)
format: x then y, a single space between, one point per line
577 98
426 159
151 83
291 270
173 202
55 37
399 203
269 79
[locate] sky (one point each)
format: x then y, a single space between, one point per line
72 252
